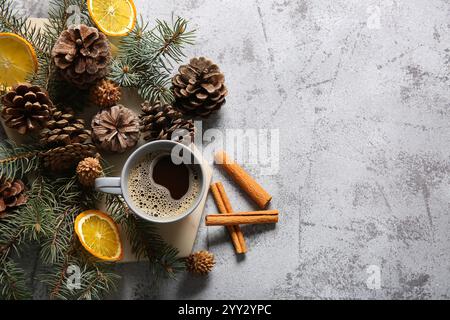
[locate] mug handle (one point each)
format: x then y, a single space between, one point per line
110 185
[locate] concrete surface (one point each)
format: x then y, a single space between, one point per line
360 93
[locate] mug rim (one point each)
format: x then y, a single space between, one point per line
124 185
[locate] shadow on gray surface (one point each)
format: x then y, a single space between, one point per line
249 231
2 133
191 285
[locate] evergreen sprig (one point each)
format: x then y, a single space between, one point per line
36 216
146 242
146 58
26 224
17 161
13 282
60 249
11 236
96 280
30 222
55 246
70 200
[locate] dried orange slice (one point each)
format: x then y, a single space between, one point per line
17 59
113 17
98 233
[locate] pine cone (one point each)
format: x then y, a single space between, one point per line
199 87
82 55
200 262
64 129
105 94
159 121
26 108
11 195
115 129
88 170
63 158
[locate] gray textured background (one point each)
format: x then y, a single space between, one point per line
363 111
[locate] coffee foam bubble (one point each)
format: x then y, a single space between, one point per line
154 199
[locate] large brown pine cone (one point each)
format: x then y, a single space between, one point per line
159 121
63 158
11 195
115 129
26 108
63 129
82 54
199 87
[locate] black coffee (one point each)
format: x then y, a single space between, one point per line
174 177
161 188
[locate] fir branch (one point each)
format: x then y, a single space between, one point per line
55 246
145 240
173 39
61 248
29 222
156 87
11 236
72 194
16 161
146 58
97 281
124 72
36 216
117 208
70 199
55 280
55 274
13 282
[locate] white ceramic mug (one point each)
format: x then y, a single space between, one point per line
119 185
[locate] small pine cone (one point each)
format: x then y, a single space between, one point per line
200 262
82 55
12 195
88 170
105 94
64 129
159 122
64 158
115 129
199 87
26 108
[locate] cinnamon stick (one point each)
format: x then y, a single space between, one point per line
229 209
231 229
252 217
244 180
